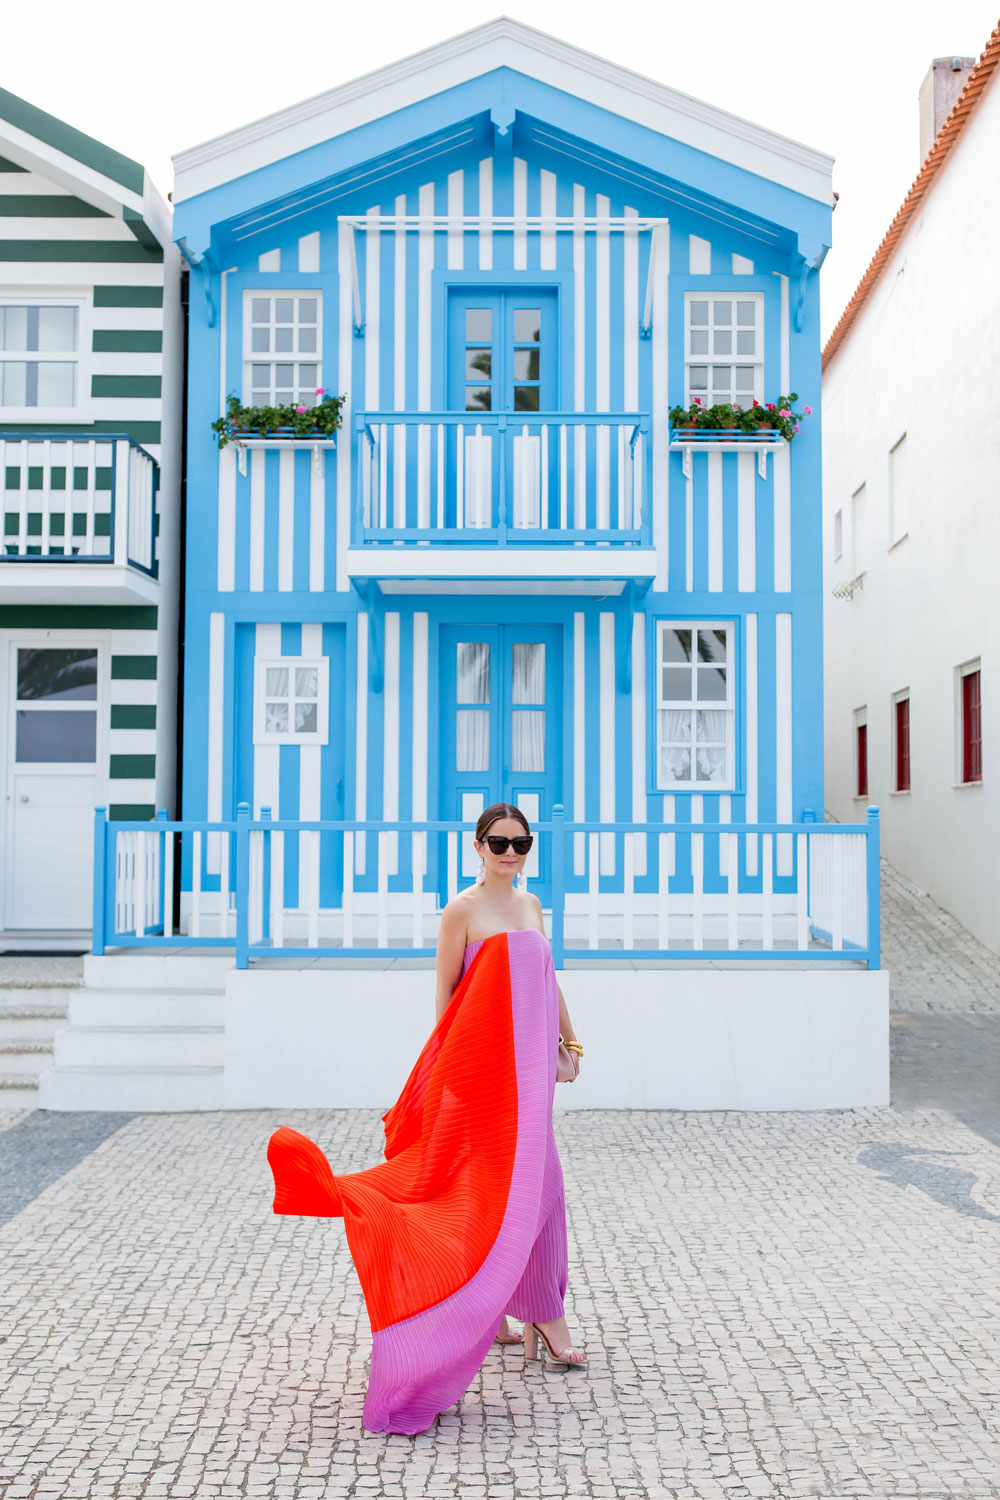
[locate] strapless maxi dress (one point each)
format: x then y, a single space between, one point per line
465 1220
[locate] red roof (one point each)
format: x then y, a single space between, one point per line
933 162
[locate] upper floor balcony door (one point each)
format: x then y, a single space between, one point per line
502 351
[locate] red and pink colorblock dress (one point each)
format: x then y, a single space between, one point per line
465 1219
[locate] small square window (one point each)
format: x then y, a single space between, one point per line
288 327
292 702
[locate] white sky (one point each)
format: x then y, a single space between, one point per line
151 79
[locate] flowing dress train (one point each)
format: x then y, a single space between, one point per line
465 1220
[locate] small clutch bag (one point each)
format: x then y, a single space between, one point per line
567 1064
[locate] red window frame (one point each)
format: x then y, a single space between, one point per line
902 744
972 727
861 733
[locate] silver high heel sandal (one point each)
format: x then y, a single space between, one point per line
533 1350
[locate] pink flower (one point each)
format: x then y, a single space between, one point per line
808 410
300 408
321 390
796 427
697 400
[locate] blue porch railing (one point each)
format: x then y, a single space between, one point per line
798 892
502 478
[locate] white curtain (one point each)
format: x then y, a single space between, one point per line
472 740
528 740
473 672
675 744
710 728
529 672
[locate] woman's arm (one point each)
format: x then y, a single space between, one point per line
450 955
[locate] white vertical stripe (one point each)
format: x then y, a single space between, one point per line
699 256
660 488
746 507
579 737
607 738
399 331
361 738
317 521
309 253
782 520
227 520
345 351
639 806
520 214
786 339
602 321
742 266
486 214
286 518
266 758
715 523
579 359
456 208
420 707
216 719
269 261
258 461
689 529
547 207
752 738
310 756
630 316
224 383
390 733
783 735
425 269
373 310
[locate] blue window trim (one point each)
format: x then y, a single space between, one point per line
716 286
520 283
655 618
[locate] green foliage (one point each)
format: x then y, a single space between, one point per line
298 421
773 416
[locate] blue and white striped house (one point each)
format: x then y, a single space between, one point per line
507 577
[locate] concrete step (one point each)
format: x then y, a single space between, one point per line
139 1047
141 1090
156 1007
155 969
27 1020
25 1056
18 1091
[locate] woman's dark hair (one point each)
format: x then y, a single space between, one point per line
493 815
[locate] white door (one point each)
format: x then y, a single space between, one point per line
52 784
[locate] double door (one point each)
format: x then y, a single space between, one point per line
501 731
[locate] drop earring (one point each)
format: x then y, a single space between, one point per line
481 872
521 881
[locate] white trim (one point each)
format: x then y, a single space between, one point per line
390 737
579 736
267 754
520 220
782 495
485 214
727 706
361 736
420 710
258 477
752 737
456 210
80 298
640 806
783 736
216 722
311 755
699 256
502 43
607 737
746 524
345 343
527 562
309 254
26 150
267 657
286 520
715 539
548 202
786 339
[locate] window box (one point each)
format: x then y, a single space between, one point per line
689 440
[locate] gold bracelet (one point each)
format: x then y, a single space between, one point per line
574 1047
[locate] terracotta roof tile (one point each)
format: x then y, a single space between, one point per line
933 162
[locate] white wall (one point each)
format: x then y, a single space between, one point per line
924 359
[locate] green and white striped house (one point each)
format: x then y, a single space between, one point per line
91 334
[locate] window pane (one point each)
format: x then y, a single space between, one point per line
710 764
527 749
675 763
721 377
711 645
260 376
261 309
526 398
676 686
15 329
478 364
526 364
723 341
57 328
477 398
745 378
722 312
260 340
308 377
699 312
277 682
15 383
50 673
676 645
307 341
527 325
473 672
698 377
472 747
699 341
284 310
712 684
284 377
306 718
478 325
306 682
276 718
283 343
710 726
529 672
60 736
307 309
746 314
746 341
56 383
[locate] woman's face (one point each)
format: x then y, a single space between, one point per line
508 864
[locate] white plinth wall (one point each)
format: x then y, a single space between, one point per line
269 1037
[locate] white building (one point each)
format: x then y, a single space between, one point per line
912 520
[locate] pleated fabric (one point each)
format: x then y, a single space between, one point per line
465 1219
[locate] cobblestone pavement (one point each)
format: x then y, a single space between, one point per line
792 1306
935 964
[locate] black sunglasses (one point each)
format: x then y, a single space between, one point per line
500 846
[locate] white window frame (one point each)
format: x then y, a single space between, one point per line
82 300
728 706
859 562
740 398
899 523
961 672
294 357
903 695
321 734
838 534
859 720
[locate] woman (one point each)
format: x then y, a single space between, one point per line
465 1220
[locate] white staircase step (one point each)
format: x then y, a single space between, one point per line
17 1021
18 1091
160 968
139 1090
139 1047
25 1056
152 1007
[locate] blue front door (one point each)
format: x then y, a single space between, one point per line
501 731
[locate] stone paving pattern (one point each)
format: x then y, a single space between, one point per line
797 1306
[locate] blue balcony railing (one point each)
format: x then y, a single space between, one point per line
804 893
502 479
